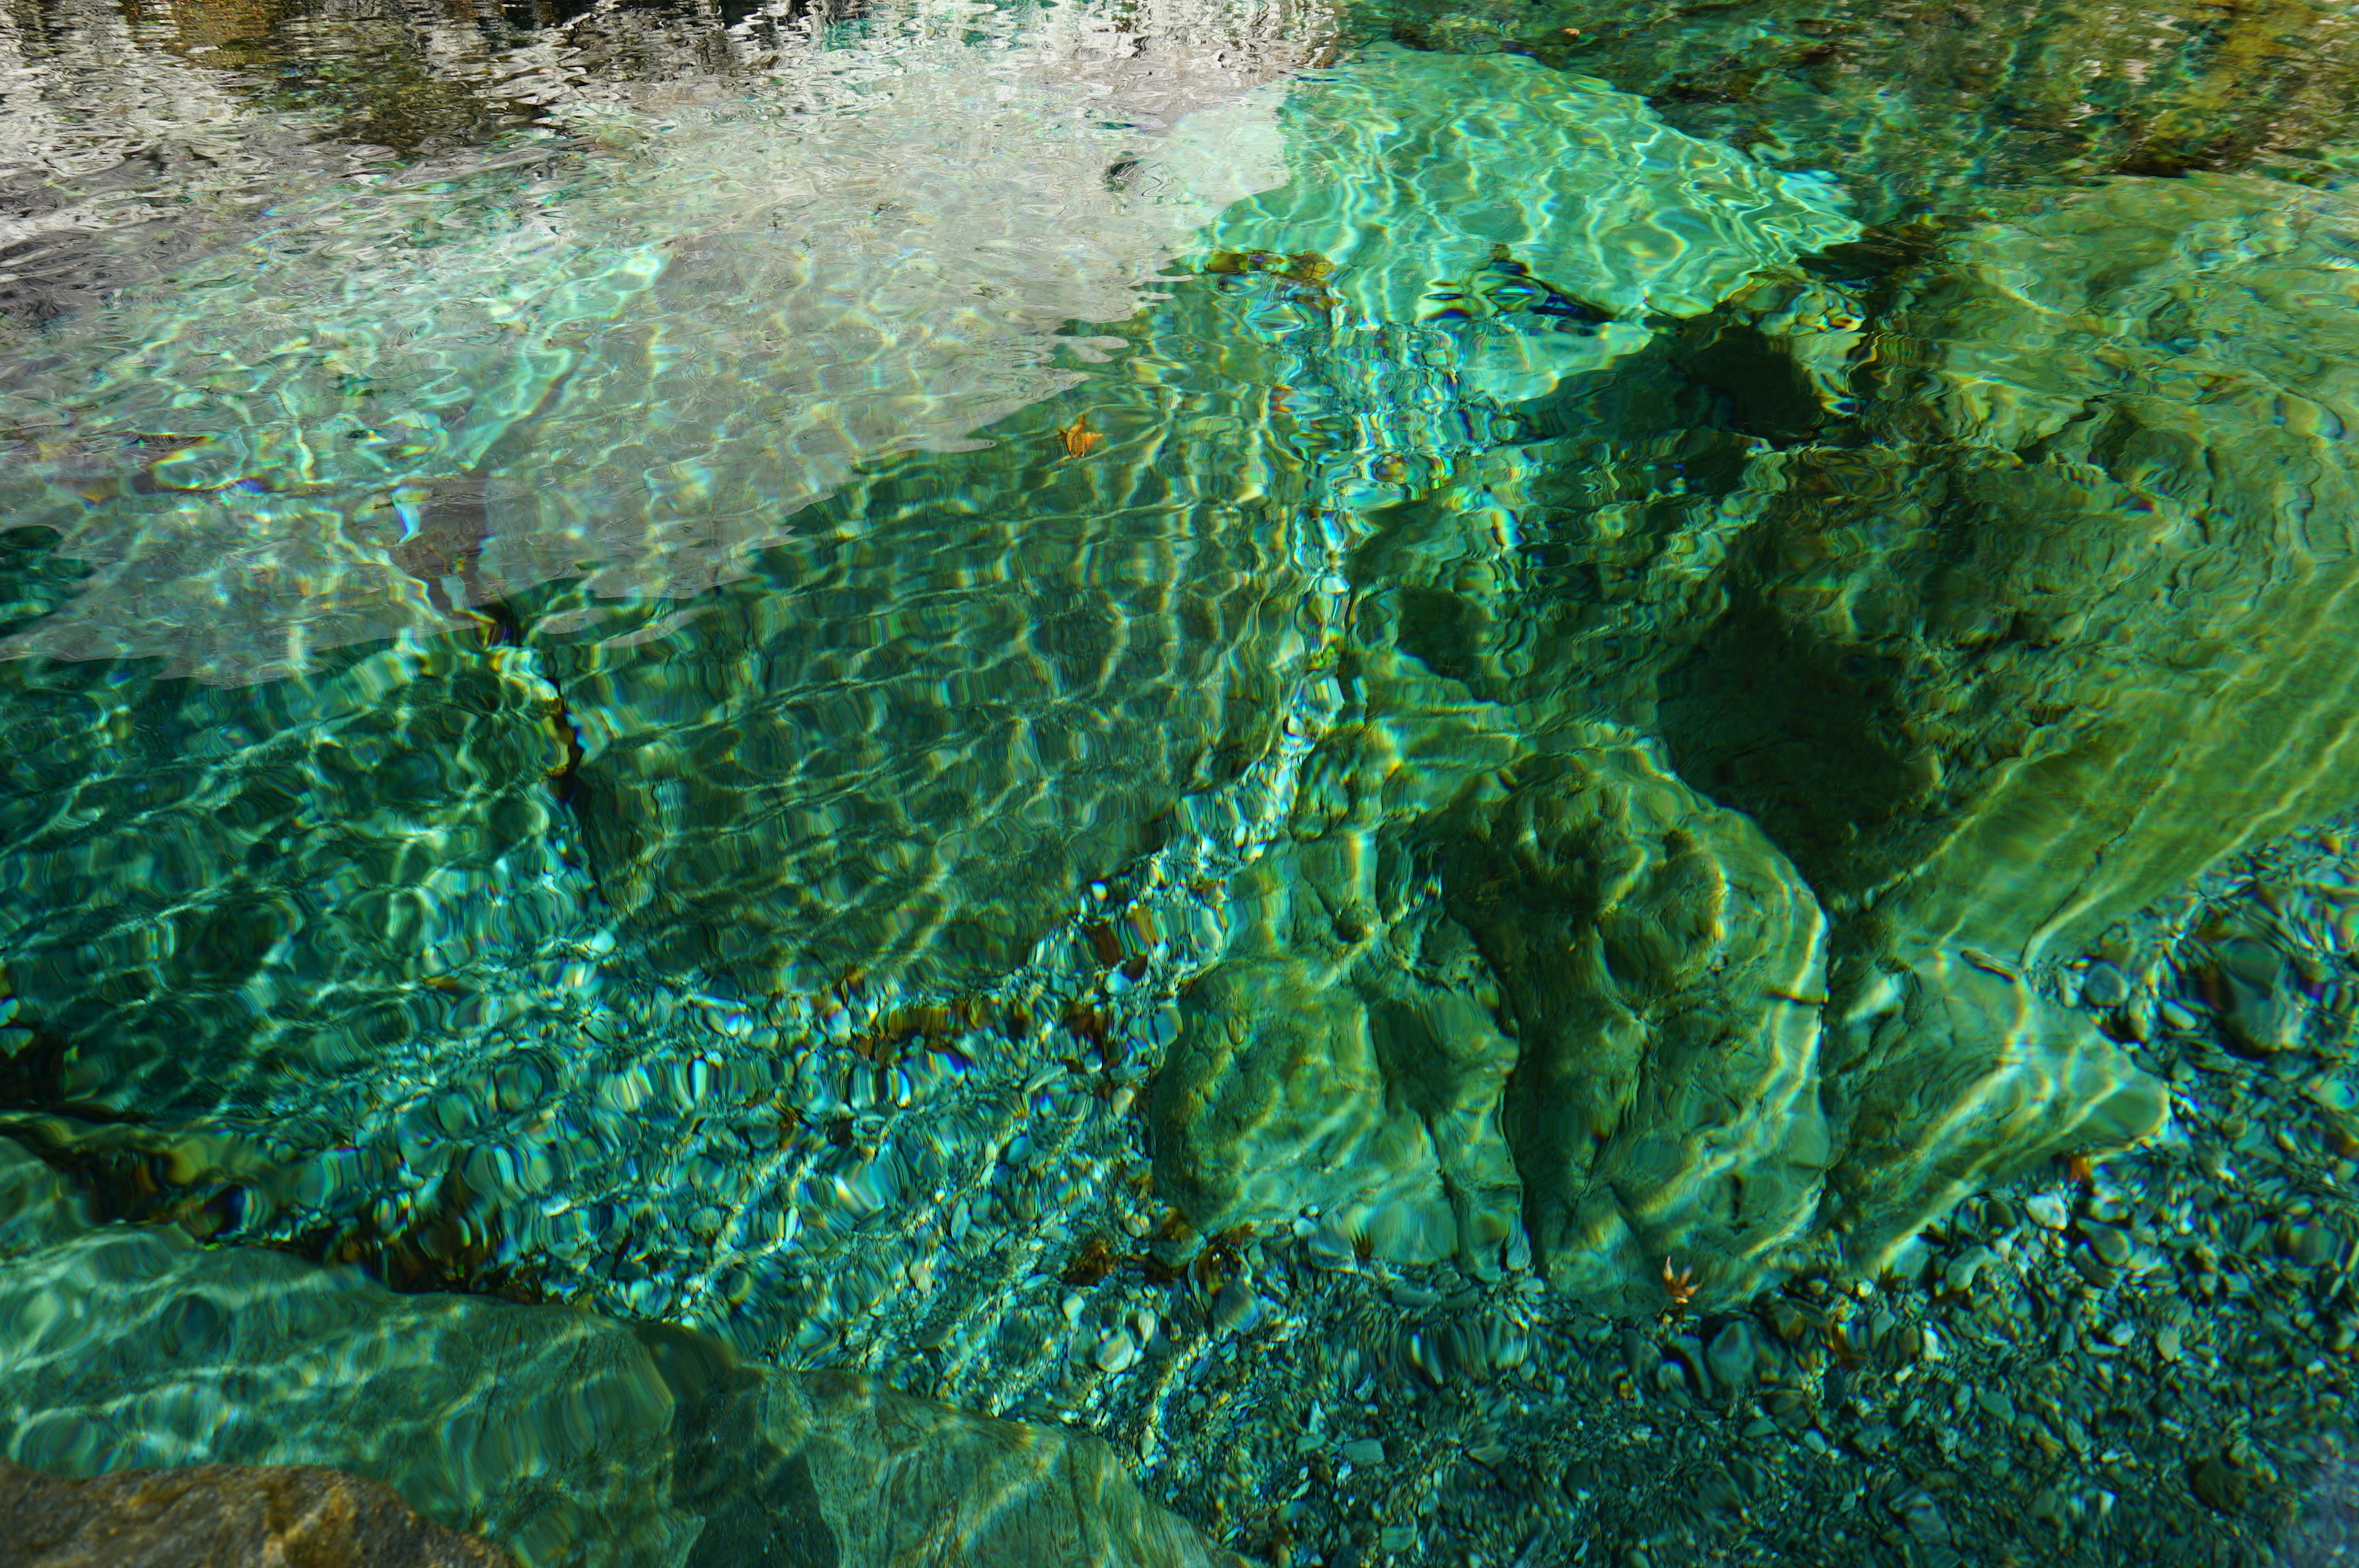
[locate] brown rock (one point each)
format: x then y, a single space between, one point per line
222 1516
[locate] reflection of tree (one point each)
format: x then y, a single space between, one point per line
100 132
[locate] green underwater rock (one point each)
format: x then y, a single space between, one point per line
1347 1054
564 1437
1371 1097
2059 614
931 718
129 1347
1938 110
1665 967
1489 188
1504 1002
239 895
2076 624
2078 621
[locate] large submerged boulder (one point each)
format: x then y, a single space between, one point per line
223 1516
1488 188
960 691
2076 622
2060 611
562 1437
1495 1002
1665 967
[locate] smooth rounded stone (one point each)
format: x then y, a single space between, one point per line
1362 1452
2110 1245
1968 1267
563 1437
2104 985
1117 1352
2048 1211
1731 1355
1236 1307
1665 965
2091 1267
1558 189
207 1515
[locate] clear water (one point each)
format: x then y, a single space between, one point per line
1608 746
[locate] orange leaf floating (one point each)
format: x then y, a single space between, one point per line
1078 438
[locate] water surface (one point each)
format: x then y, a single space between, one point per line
1602 746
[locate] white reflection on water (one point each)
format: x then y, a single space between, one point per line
633 343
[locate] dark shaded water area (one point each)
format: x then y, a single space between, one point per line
941 782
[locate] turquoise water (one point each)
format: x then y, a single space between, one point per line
1524 784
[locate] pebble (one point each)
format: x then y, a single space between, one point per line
1968 1266
2048 1211
2108 1244
2310 1244
1236 1308
1730 1354
2177 1015
2105 986
2220 1487
1117 1352
1922 1517
2091 1268
1364 1451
